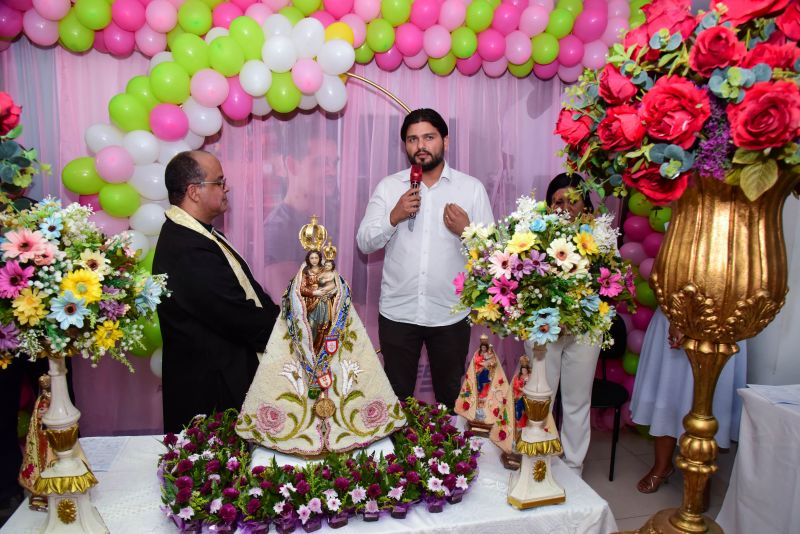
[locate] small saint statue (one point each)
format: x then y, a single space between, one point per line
483 392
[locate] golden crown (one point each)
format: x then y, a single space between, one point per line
329 251
313 235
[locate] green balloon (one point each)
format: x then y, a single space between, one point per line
443 65
574 7
307 7
479 15
464 42
659 217
521 71
146 263
194 17
23 423
292 13
544 48
249 36
560 24
80 176
170 82
128 113
639 4
74 35
139 86
645 295
283 96
94 14
364 54
494 3
380 35
119 200
225 56
173 34
636 19
152 331
396 12
212 3
639 205
630 362
190 52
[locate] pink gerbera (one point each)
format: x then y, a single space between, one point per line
23 244
458 281
500 264
609 283
14 279
502 291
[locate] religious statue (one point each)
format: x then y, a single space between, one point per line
320 386
483 392
506 437
37 455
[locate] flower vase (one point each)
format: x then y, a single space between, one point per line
720 277
68 480
400 510
285 525
533 485
254 527
339 520
455 496
313 524
436 504
370 517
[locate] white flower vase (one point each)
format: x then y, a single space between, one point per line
67 481
533 484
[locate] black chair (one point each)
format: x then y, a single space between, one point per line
607 394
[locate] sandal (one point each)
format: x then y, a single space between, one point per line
651 482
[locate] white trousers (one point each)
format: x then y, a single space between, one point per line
573 364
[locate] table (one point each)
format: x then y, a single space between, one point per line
764 490
128 498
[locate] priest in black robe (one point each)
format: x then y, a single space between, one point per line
218 318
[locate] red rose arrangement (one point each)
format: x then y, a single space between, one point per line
714 94
18 165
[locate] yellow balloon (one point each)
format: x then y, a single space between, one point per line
339 30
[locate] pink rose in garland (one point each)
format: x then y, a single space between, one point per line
776 56
9 113
769 116
741 11
675 110
622 129
715 48
615 88
789 21
572 131
655 187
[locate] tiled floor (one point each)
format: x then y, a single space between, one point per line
634 458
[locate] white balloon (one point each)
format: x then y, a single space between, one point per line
308 102
153 241
260 106
332 96
336 57
142 146
276 25
139 241
255 78
155 362
202 120
213 33
163 203
161 57
148 219
99 136
308 36
279 53
169 149
193 140
148 180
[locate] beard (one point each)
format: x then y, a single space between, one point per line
432 163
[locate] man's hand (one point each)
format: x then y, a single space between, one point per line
455 219
407 205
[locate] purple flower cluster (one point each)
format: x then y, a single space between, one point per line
8 336
714 154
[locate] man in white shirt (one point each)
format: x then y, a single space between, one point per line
422 258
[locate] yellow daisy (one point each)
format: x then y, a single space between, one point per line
84 284
473 253
489 312
95 262
604 308
107 334
28 307
5 361
585 243
520 242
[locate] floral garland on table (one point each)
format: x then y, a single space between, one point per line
65 288
714 94
535 273
207 479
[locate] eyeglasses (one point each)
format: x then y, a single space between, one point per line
220 183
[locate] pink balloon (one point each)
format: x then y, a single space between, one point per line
52 9
19 5
119 42
244 4
424 13
178 3
93 201
169 122
506 18
570 74
570 51
389 60
367 9
614 30
646 267
416 62
546 71
636 227
100 42
470 65
307 75
635 339
161 15
547 4
594 4
149 41
533 20
324 17
408 39
594 54
274 5
652 243
258 12
338 8
633 252
452 14
114 164
359 28
590 24
642 317
39 30
518 47
628 320
224 13
108 224
436 41
627 383
491 44
614 371
128 14
619 9
10 21
238 104
495 69
209 88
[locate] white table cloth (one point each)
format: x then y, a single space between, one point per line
128 499
764 491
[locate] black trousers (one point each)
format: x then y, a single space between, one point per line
401 344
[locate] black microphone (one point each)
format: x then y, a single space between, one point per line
416 178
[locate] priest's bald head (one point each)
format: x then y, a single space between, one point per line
195 183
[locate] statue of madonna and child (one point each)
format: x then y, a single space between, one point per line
320 386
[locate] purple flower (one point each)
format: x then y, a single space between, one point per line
266 485
522 268
374 490
213 466
450 481
714 154
462 467
171 455
288 468
303 487
230 493
228 512
412 477
205 489
183 482
8 337
213 425
326 473
438 453
252 506
411 458
112 309
183 495
190 447
341 483
412 437
170 439
304 512
396 468
538 262
233 464
257 470
437 439
184 465
372 507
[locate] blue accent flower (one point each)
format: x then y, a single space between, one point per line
51 227
586 228
538 225
68 310
149 297
590 305
545 330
